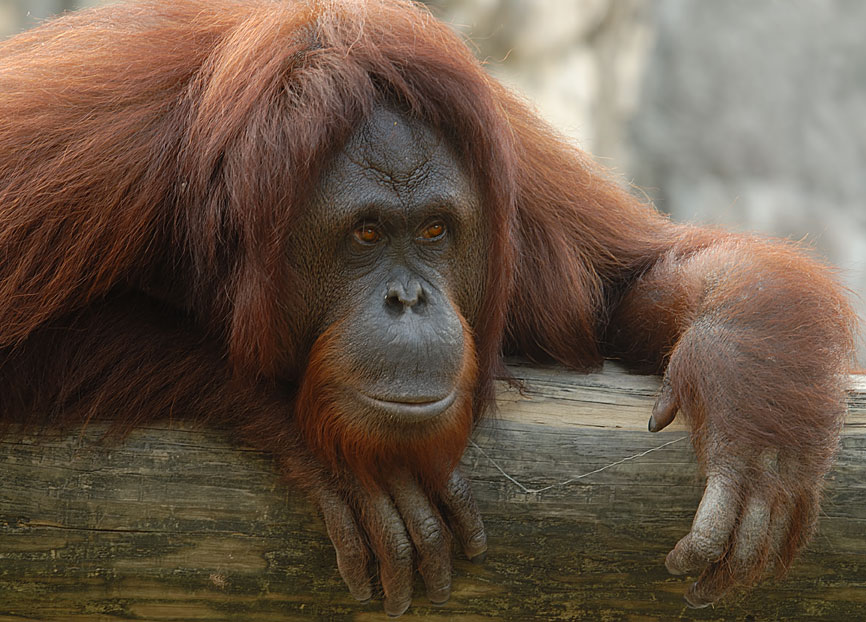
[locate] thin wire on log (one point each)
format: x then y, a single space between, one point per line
532 491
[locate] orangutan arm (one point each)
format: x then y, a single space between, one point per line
754 339
752 336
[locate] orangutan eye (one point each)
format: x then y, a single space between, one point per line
434 231
367 234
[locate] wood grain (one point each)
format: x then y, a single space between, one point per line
178 524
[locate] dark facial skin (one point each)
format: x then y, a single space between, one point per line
392 237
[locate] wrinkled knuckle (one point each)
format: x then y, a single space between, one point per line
431 534
478 537
402 554
707 547
460 491
769 460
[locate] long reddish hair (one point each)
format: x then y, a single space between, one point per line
208 143
196 128
168 144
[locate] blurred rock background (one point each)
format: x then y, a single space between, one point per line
18 15
746 113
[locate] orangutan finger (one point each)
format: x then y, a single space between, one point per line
749 549
804 516
465 518
713 583
711 528
429 536
352 554
664 410
392 547
780 527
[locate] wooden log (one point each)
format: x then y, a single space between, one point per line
179 524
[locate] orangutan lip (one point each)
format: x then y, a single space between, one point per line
410 410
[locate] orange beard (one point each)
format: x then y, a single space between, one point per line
369 445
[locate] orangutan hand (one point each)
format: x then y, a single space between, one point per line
758 509
404 529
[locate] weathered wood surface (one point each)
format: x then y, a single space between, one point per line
177 524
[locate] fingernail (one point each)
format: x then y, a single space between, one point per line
652 424
439 597
479 559
693 601
476 546
395 611
672 566
362 595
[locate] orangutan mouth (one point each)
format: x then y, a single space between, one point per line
409 408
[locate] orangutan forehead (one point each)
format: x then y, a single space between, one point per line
397 148
394 163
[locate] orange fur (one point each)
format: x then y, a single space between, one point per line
164 147
368 447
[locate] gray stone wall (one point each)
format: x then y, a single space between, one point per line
753 116
579 63
16 15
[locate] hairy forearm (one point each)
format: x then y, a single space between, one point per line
751 317
774 298
753 338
